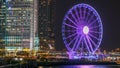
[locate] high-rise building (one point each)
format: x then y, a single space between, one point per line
26 24
18 24
46 24
2 23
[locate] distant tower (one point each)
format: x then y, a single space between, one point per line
46 23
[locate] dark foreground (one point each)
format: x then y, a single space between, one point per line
36 64
74 63
81 66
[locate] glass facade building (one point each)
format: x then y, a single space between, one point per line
18 24
2 23
26 24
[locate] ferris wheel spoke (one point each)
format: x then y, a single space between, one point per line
78 44
71 35
81 47
87 45
69 30
75 18
69 48
69 25
95 32
93 22
93 27
87 16
92 41
80 12
67 45
84 12
76 41
71 41
91 48
91 17
71 20
77 14
94 36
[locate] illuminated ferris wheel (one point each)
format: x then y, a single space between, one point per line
82 29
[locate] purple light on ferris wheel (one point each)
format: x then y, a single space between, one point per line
82 29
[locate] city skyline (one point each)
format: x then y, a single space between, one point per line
108 11
59 33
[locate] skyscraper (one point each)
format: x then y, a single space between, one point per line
2 23
18 21
46 23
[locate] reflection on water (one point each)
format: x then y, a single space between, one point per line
82 66
85 66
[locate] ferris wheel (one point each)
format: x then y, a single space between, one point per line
82 29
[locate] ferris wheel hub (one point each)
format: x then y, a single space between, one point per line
85 29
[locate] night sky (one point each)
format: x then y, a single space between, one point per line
109 11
